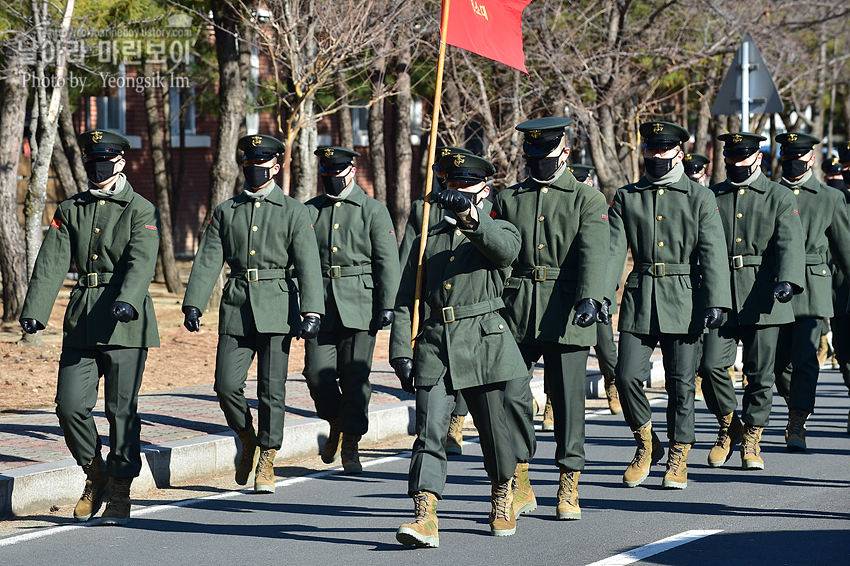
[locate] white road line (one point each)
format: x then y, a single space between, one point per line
654 548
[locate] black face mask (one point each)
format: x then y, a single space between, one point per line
99 170
836 183
333 185
739 173
794 168
846 176
256 176
657 167
543 168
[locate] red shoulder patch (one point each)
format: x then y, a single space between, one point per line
392 233
605 217
493 214
150 227
209 221
56 223
796 212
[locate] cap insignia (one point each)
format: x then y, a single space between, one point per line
96 137
329 152
570 169
737 138
792 138
534 133
256 140
445 152
459 160
657 128
688 157
835 161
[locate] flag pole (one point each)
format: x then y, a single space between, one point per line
429 175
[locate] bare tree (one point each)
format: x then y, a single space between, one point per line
377 150
400 205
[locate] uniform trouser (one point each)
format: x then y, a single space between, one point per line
434 406
76 394
233 359
606 351
759 355
565 375
460 410
679 353
797 365
841 344
337 366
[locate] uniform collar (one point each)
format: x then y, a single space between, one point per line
356 197
566 182
760 185
683 184
123 197
276 196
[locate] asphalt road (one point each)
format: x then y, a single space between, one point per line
796 511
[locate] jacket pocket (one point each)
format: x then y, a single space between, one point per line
493 325
632 281
821 270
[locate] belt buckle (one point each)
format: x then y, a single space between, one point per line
659 272
537 270
336 272
91 279
448 314
737 262
253 275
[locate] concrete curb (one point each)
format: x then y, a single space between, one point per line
34 489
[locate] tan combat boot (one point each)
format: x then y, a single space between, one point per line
795 430
117 510
698 396
750 449
568 508
502 518
548 415
264 473
613 398
649 451
332 446
524 500
422 532
351 455
248 458
677 466
823 350
96 483
454 441
730 433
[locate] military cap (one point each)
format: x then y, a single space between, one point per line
334 159
260 148
542 135
102 143
444 150
844 152
579 171
663 135
796 144
695 163
740 144
466 168
831 165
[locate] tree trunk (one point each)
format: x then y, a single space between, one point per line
343 115
718 172
704 114
13 100
400 208
162 185
67 183
377 150
68 135
304 163
819 110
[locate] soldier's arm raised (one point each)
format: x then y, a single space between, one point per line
498 240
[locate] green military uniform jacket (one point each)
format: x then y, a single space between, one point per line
764 242
271 250
678 247
414 225
826 226
114 243
464 274
840 283
357 247
564 232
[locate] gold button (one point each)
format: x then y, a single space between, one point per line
796 191
507 283
659 218
252 252
457 232
544 190
448 286
739 215
101 202
452 258
94 256
626 284
824 272
660 244
257 204
336 226
699 285
253 228
541 218
540 246
334 249
501 327
97 230
776 280
339 204
738 240
740 191
660 191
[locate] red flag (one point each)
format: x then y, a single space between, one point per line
490 28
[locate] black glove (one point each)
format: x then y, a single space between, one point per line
783 292
31 325
123 312
603 315
713 318
455 201
586 312
309 328
404 371
385 318
192 320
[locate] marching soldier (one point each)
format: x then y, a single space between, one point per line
679 285
454 444
695 167
463 345
831 168
357 247
267 240
840 322
826 227
764 244
552 301
112 234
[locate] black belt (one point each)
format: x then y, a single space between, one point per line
451 314
667 269
335 271
546 273
815 259
89 280
253 275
